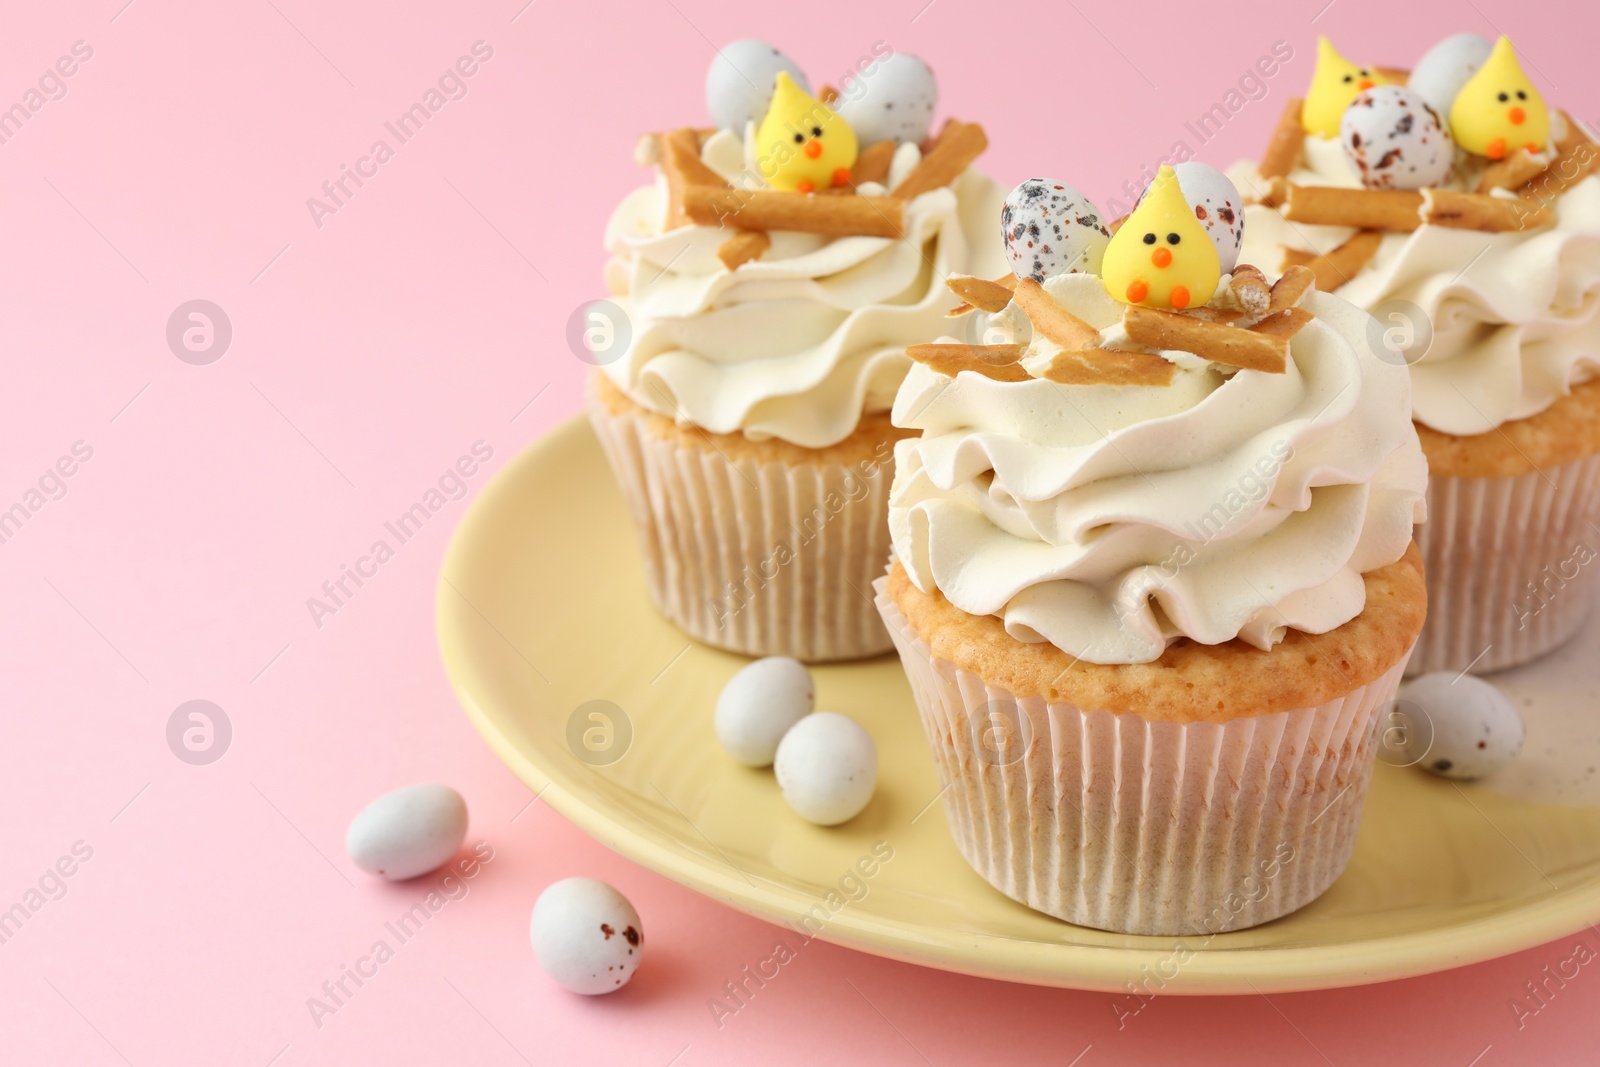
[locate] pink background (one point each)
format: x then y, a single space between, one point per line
368 354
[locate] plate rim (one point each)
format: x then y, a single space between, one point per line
1208 971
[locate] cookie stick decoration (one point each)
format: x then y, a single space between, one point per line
1162 257
1334 84
1499 111
802 143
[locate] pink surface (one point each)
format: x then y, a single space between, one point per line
368 354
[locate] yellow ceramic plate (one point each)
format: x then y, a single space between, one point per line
542 609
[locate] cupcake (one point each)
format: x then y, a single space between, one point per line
1154 578
768 283
1461 210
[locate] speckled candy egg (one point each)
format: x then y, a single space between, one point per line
1050 228
1217 205
759 705
1474 731
408 832
1394 140
827 767
893 101
1446 67
740 81
587 936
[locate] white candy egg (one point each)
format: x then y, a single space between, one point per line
586 935
1446 67
1050 228
827 767
1394 140
759 705
1217 205
740 82
893 101
408 832
1469 729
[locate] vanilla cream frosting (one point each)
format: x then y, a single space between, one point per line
800 343
1113 520
1515 317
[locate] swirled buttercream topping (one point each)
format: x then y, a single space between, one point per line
799 343
1111 521
1514 317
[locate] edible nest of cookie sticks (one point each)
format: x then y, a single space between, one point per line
698 195
1533 182
1403 210
1254 337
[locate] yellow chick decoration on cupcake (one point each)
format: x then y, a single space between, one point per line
803 144
1499 111
1162 257
1334 84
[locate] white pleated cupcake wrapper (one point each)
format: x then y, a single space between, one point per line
1140 827
1504 559
764 559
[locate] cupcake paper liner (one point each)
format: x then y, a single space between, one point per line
1511 564
1113 821
761 558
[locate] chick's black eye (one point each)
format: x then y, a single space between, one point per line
816 131
1365 73
1172 238
1521 95
1149 238
799 138
1504 98
1348 78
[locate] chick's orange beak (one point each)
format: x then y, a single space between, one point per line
1518 116
813 149
1365 83
1161 257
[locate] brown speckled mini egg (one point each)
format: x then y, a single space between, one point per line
1394 140
1050 228
1217 206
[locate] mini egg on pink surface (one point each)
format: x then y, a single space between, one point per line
1394 140
408 832
587 936
1050 228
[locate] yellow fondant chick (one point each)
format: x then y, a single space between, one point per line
1499 111
1162 257
802 144
1334 83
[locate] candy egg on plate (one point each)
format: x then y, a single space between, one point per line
893 101
827 768
1394 140
586 935
740 81
1473 730
1050 228
759 705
